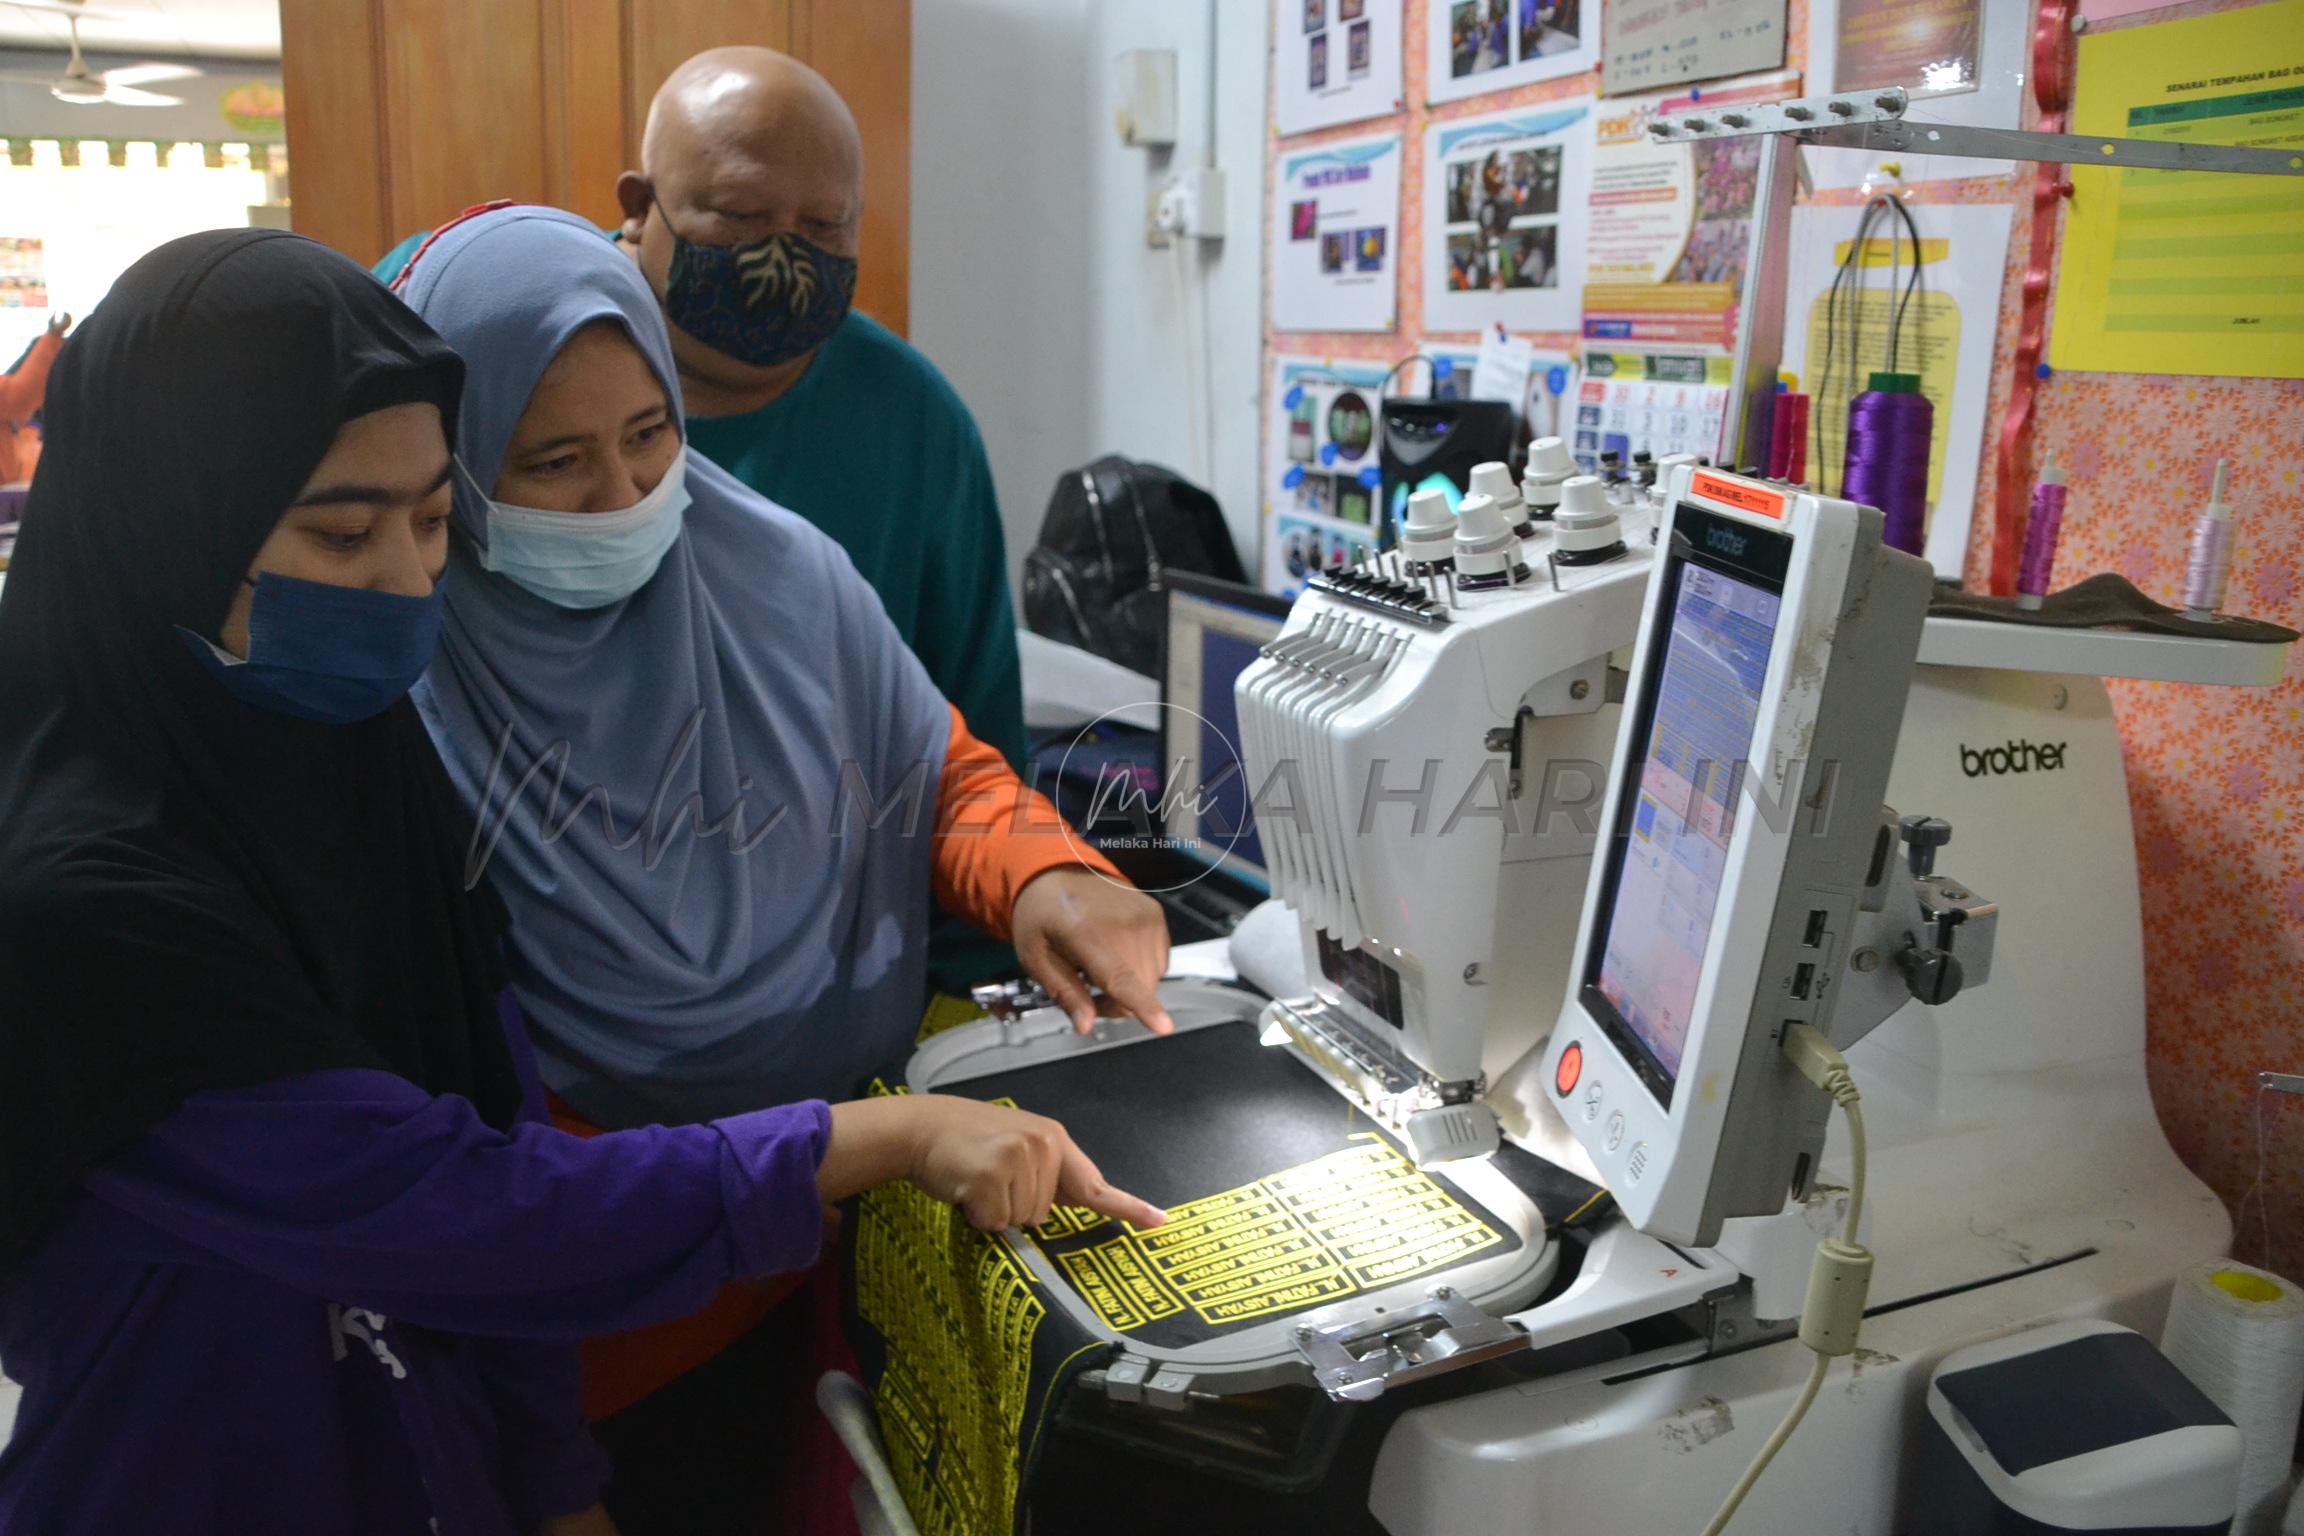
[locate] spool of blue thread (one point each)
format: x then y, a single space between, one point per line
1889 429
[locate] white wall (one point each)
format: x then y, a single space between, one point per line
1032 286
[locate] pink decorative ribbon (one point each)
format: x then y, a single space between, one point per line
2052 89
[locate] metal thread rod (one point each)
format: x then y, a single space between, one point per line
2058 148
1874 120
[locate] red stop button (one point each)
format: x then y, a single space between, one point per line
1570 1069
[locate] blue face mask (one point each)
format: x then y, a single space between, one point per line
588 559
765 303
327 653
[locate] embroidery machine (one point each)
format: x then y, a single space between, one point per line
1436 841
1445 748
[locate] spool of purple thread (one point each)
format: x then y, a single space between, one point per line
1889 428
2040 533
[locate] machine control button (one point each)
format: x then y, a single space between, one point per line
1570 1068
1615 1136
1636 1162
1592 1097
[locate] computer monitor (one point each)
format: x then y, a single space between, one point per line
1215 629
1739 834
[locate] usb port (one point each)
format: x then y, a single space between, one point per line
1813 935
1803 977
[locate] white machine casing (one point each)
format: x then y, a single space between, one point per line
1740 1129
1387 747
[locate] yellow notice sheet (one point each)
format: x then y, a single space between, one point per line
2183 271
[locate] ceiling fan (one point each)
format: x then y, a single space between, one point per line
84 87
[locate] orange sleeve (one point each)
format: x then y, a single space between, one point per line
993 835
22 392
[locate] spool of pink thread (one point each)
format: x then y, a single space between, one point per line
1796 465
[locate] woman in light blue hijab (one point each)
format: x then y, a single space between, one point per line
706 772
703 764
655 793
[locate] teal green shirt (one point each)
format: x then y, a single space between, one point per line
875 448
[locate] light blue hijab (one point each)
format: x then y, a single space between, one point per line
704 966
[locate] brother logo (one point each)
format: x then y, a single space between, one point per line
2015 757
1725 540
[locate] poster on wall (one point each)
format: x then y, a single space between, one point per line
1322 491
1649 44
1834 342
1670 224
1336 237
1497 250
1475 46
1964 61
1339 62
2167 273
23 273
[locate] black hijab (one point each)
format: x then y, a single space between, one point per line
196 893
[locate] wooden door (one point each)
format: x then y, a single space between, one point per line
401 113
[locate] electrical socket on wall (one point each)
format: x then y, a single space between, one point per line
1188 205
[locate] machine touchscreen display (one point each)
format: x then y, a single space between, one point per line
1673 855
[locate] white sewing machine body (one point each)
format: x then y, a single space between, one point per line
2019 1172
1413 848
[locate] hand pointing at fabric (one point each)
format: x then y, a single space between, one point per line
1002 1167
1070 923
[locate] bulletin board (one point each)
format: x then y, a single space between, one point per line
2209 769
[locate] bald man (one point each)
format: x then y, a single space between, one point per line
744 216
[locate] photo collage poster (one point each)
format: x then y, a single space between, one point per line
1323 497
1477 46
1669 227
1339 62
1504 231
1336 237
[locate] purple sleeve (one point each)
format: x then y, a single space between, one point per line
551 1464
357 1186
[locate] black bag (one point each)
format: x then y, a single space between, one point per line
1097 578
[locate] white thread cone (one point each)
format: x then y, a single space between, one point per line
2238 1332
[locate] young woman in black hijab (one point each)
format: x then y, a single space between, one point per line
283 1244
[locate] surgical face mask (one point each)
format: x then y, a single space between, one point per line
588 559
764 303
322 652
